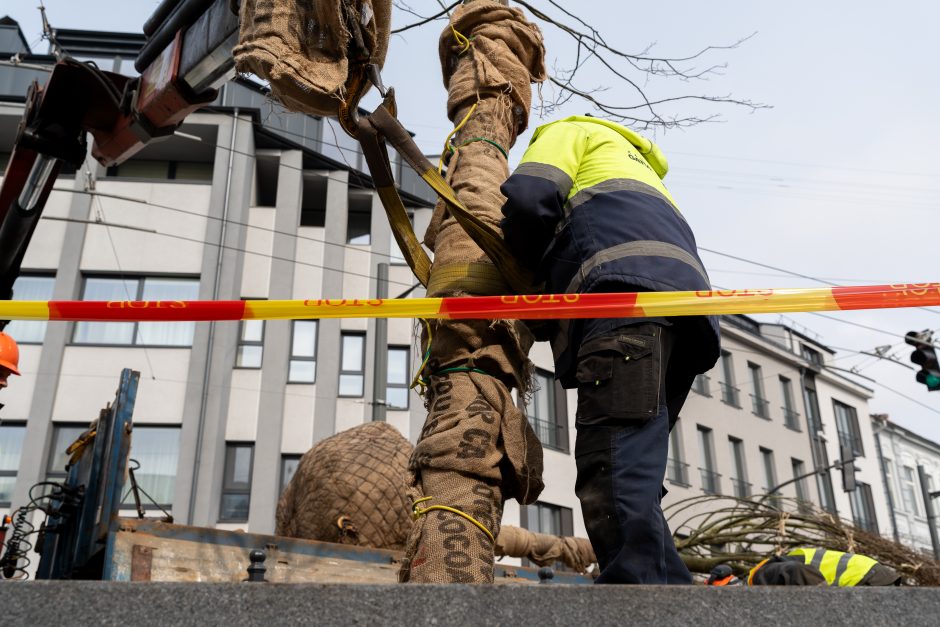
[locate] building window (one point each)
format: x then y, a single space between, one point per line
813 416
909 490
157 450
137 333
398 379
791 417
702 385
250 344
770 473
677 471
811 355
759 404
729 393
553 520
303 353
289 465
546 518
742 489
62 436
11 448
706 450
548 412
30 287
313 202
889 480
847 425
799 469
827 498
187 171
863 508
352 364
236 483
359 218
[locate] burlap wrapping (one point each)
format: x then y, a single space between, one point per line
300 47
477 448
506 55
357 475
544 549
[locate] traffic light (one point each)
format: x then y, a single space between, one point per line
925 356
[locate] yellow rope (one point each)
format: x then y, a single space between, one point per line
462 39
440 162
417 381
453 510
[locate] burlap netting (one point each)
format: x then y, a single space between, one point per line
357 475
300 47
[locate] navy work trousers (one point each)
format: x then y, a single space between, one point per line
629 396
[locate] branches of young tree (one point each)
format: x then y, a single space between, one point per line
634 70
714 530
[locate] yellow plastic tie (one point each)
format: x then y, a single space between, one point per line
440 162
418 381
417 513
462 39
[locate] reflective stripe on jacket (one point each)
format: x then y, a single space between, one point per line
587 210
839 569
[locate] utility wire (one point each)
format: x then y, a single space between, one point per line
234 248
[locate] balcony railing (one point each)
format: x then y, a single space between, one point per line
702 385
551 434
677 472
730 394
711 481
760 406
791 419
742 489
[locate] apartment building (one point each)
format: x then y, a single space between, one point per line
911 474
773 410
250 201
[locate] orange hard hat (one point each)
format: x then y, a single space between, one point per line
9 353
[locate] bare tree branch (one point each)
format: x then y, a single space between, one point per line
424 20
634 70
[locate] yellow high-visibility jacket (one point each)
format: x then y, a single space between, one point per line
839 569
588 212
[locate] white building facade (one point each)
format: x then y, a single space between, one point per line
911 473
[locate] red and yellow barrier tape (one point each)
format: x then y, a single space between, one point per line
542 306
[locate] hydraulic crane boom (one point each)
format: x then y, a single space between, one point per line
187 56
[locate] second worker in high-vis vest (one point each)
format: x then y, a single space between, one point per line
588 212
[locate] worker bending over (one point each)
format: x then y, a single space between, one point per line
588 212
821 567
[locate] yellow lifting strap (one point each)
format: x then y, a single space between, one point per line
372 133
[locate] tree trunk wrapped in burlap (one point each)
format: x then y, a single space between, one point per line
477 448
545 549
349 488
300 47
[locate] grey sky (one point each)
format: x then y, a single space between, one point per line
837 181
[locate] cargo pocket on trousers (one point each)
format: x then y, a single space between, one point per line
619 378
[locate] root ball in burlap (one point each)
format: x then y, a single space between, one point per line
349 488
